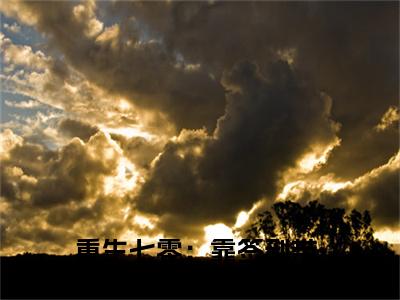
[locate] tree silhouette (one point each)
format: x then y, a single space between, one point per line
264 227
334 231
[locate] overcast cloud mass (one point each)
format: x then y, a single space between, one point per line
157 119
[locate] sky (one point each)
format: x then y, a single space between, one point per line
185 119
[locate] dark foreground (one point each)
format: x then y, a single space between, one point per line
43 276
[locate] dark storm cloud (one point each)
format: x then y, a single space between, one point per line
381 196
140 70
362 150
51 235
376 191
349 50
53 177
75 128
73 175
268 123
30 158
66 216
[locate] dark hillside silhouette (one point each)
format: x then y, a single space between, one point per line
119 276
347 263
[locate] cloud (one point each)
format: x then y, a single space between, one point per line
86 13
74 128
23 55
69 174
139 150
52 197
73 176
22 104
200 179
376 191
333 44
181 34
56 88
8 141
189 98
14 28
16 10
390 117
207 107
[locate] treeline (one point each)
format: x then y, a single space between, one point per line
334 231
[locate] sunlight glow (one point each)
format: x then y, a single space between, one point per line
124 105
70 88
143 221
317 157
128 132
241 219
290 188
126 212
125 180
392 237
333 187
295 189
310 161
215 231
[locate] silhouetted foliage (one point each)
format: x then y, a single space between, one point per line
264 227
334 231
